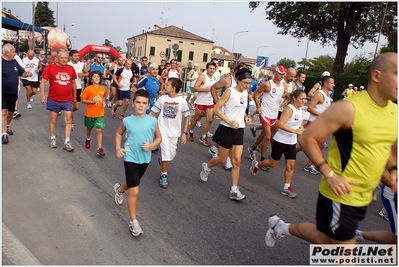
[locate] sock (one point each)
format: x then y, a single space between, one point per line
88 138
214 149
284 228
253 148
359 235
262 158
191 131
66 140
164 173
5 134
234 188
207 168
286 186
256 165
52 137
8 125
203 136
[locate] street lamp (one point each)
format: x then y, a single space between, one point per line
306 55
234 40
257 50
65 26
271 56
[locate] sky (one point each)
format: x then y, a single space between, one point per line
219 22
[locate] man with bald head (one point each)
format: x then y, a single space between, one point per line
61 95
33 65
10 72
364 129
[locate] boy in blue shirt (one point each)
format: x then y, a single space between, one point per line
143 135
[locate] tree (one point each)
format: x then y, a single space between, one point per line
44 16
317 65
24 47
107 43
286 62
338 23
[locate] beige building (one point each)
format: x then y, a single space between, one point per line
171 42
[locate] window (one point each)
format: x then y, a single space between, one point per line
180 42
169 40
191 55
179 55
192 43
168 55
152 50
205 57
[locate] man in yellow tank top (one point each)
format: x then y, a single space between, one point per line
364 130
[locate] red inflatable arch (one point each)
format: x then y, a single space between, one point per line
98 48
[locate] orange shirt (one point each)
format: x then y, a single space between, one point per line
89 93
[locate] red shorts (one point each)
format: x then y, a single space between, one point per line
308 123
203 108
267 121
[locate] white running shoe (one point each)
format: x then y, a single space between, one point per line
118 195
273 233
199 124
213 151
237 195
204 173
29 106
228 165
135 228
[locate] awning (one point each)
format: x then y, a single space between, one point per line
16 25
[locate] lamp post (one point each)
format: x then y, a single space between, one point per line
65 26
306 55
234 40
272 55
257 50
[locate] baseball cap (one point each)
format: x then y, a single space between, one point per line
350 85
280 69
362 87
196 64
326 73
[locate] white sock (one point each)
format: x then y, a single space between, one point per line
164 173
207 168
234 188
66 140
214 149
203 136
286 186
88 138
52 137
284 228
191 131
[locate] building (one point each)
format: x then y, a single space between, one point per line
171 42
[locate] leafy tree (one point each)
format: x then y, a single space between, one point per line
44 16
107 43
286 62
358 66
317 65
392 45
338 23
24 47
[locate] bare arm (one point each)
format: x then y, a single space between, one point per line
314 89
263 88
120 152
42 86
200 81
318 98
287 113
222 83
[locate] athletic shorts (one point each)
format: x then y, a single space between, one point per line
390 202
278 149
8 101
337 220
90 123
124 94
30 83
191 89
57 106
114 85
78 93
279 114
204 108
134 172
168 148
227 136
267 121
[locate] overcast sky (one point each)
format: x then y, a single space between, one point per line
217 21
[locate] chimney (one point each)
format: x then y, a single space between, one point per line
157 27
149 29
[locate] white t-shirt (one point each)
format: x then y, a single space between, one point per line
31 65
171 114
78 69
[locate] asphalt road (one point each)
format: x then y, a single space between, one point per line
58 207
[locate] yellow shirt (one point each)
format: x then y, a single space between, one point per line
361 152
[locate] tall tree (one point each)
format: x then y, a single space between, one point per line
338 23
286 62
44 16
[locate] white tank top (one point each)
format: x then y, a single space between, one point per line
270 102
235 107
205 98
321 107
294 122
195 77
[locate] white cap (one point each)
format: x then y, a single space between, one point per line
196 65
350 85
326 73
362 87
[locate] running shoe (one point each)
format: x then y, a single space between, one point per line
236 195
73 127
311 169
253 169
121 117
4 139
204 173
199 124
53 143
9 131
100 152
227 165
213 151
109 104
191 137
384 214
265 169
16 115
68 146
253 131
114 108
274 232
29 106
163 181
252 153
135 228
289 192
87 143
359 236
118 195
204 141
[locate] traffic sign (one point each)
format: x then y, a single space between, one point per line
175 47
162 54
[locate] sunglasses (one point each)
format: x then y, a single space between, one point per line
100 57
